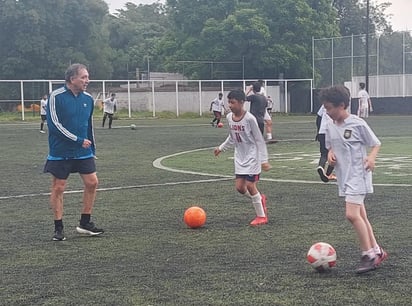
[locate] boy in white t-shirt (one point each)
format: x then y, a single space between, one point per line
43 113
251 154
347 139
365 103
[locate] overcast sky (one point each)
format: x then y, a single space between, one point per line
400 9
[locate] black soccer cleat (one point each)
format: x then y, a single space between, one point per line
58 235
89 229
322 174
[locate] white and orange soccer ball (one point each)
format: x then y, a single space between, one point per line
321 256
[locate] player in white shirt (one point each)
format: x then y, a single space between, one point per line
322 119
365 103
347 139
251 154
217 106
109 108
43 113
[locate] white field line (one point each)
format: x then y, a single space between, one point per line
158 164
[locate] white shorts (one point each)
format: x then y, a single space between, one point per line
355 198
267 116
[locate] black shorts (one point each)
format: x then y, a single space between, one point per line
43 117
249 177
61 169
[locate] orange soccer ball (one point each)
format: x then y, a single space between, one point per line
194 217
220 124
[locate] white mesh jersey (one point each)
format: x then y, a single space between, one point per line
349 141
250 147
363 99
217 105
325 118
108 105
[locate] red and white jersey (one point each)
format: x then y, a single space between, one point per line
250 147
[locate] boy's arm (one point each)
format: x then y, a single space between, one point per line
371 158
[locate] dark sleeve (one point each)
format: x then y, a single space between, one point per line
318 121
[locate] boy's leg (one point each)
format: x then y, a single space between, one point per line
110 120
380 253
104 119
368 225
268 125
354 215
259 204
218 117
241 186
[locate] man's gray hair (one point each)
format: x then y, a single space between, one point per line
72 71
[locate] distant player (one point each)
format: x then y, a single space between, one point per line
267 118
43 112
365 103
217 106
347 139
270 105
251 155
109 108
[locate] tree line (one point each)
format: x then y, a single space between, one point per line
205 39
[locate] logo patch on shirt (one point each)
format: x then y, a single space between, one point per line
347 134
84 104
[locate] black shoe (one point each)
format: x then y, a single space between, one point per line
322 174
59 235
89 229
366 264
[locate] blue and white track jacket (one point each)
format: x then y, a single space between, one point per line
70 121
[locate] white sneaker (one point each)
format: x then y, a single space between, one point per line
43 132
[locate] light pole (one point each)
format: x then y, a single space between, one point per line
148 67
367 48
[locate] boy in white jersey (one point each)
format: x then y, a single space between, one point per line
251 155
109 108
347 139
365 103
43 113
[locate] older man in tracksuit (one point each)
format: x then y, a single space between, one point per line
72 147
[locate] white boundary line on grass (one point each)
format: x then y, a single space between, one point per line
157 163
117 188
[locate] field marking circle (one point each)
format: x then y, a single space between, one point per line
157 163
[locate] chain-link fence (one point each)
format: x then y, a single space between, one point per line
342 60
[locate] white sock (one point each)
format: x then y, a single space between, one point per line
371 253
257 204
269 136
377 249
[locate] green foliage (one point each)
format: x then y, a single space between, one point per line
222 39
41 42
